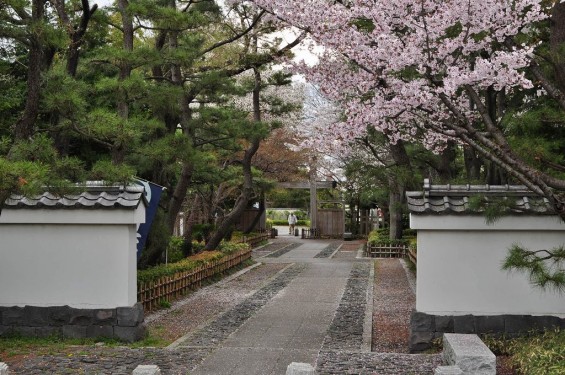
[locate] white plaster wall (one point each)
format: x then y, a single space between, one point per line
83 266
75 216
459 270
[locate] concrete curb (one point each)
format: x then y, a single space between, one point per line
360 253
368 322
272 252
297 368
147 370
409 275
336 250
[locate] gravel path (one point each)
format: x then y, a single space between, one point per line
346 329
219 329
207 303
393 302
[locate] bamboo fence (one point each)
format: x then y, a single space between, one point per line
170 288
257 239
390 251
386 251
412 255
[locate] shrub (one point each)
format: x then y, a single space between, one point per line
201 232
232 247
380 237
538 354
174 249
300 223
185 264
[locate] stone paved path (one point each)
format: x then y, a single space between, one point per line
314 310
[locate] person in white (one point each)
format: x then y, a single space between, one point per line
291 222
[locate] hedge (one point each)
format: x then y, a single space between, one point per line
301 223
189 263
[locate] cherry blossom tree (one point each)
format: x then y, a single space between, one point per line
439 71
432 69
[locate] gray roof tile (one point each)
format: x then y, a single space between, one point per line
454 199
90 196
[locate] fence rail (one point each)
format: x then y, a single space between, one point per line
386 251
391 251
170 288
412 255
311 233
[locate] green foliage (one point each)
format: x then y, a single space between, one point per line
174 249
297 198
228 247
364 24
381 237
38 149
300 223
23 177
187 264
545 268
110 173
538 354
492 208
201 232
16 345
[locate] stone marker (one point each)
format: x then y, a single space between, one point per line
469 353
147 370
296 368
3 368
448 370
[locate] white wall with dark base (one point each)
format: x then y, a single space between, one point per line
459 265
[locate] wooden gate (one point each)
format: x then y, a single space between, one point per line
331 222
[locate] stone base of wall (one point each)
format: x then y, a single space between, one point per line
122 323
425 328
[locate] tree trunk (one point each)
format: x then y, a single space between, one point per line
247 190
178 196
444 168
472 164
25 126
396 199
242 201
397 189
77 37
185 178
119 148
557 43
189 225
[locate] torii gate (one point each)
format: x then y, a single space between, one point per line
333 221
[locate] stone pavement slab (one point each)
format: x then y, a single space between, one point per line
291 327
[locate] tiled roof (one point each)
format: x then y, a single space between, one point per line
92 195
454 199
